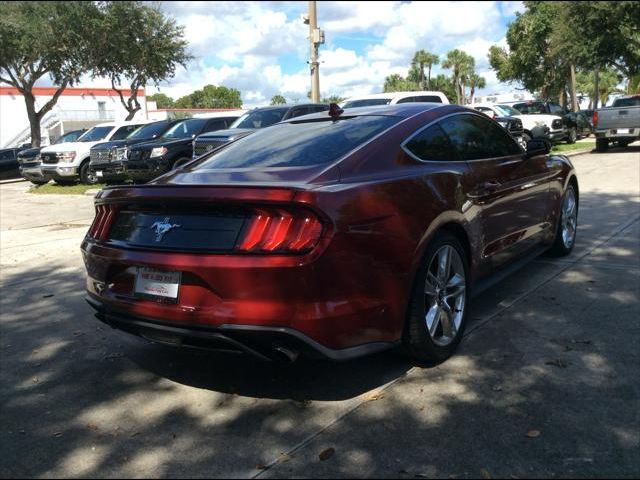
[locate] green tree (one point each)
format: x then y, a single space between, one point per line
608 83
462 66
211 97
444 84
136 44
278 100
420 60
333 99
397 83
597 34
532 58
44 39
475 81
162 100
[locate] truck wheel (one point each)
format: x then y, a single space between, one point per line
572 136
87 176
39 182
602 144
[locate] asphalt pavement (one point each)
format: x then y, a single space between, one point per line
546 382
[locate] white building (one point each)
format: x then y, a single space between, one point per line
76 108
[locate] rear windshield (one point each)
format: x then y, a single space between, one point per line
260 118
627 102
302 143
94 134
186 128
367 102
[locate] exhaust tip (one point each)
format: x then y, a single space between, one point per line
287 354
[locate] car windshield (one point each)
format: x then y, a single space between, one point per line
259 118
529 108
367 102
506 110
300 143
95 134
186 128
69 137
150 130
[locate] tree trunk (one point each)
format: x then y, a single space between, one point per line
421 76
429 78
34 119
574 95
597 92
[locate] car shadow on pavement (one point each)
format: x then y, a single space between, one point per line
547 388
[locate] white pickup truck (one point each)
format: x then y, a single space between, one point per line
65 162
618 123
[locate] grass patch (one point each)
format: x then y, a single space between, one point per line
77 189
565 147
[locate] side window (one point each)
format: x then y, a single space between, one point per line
475 137
298 112
554 108
428 98
319 108
432 144
212 125
407 100
124 132
8 155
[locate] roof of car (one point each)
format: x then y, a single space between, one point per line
392 95
400 110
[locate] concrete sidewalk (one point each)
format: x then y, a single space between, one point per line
546 382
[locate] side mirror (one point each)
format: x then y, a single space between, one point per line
537 147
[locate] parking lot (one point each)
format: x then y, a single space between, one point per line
546 382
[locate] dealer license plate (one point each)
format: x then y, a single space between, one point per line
99 173
622 130
157 284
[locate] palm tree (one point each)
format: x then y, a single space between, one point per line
420 59
462 66
475 81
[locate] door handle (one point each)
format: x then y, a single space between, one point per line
491 186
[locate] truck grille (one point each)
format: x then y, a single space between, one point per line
203 146
100 156
49 158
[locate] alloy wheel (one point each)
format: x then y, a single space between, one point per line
569 219
445 295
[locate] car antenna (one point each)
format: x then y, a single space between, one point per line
335 111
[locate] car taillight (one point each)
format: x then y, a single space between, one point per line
105 215
280 231
595 118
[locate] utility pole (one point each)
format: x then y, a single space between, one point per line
574 96
316 38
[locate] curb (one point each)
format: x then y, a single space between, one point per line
577 152
92 192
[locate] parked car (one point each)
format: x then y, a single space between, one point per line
589 115
31 164
619 123
9 167
513 125
575 126
579 122
68 162
251 121
558 130
393 98
533 126
329 235
148 160
108 158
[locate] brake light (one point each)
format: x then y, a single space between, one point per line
105 215
595 118
280 231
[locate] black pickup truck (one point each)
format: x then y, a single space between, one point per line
107 159
144 161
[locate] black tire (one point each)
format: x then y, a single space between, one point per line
561 247
602 145
572 136
65 183
86 175
39 182
417 340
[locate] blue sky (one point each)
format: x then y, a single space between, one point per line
261 48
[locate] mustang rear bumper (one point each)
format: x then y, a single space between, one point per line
264 343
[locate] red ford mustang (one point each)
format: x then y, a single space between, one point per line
329 235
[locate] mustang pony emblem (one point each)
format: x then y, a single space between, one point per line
163 227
